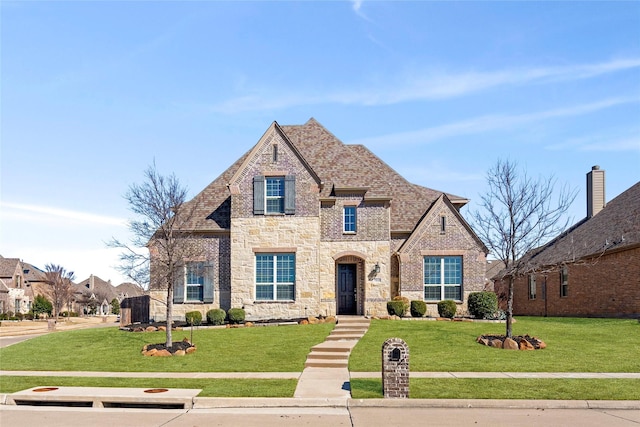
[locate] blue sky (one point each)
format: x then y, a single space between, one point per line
93 92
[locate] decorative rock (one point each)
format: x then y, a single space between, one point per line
526 345
509 344
482 341
190 350
151 352
248 324
496 343
304 322
145 347
151 329
312 320
330 319
162 353
162 328
179 353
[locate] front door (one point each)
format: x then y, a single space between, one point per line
347 289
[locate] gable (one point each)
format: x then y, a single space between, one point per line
457 234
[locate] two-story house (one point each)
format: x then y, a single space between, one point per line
303 225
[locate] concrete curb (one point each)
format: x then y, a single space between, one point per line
490 403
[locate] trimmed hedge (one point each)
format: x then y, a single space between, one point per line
193 318
447 308
482 304
418 308
236 315
216 316
398 306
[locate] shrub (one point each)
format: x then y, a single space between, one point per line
194 318
236 315
398 306
482 304
216 316
69 314
41 305
447 308
418 308
115 306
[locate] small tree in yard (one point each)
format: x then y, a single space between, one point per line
60 284
163 216
41 305
115 306
518 215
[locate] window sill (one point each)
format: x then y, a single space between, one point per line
351 233
272 301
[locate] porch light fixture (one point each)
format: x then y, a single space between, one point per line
376 269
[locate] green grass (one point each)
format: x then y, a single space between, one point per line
476 388
573 345
210 387
259 349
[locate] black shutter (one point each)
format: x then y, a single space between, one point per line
290 194
258 195
178 286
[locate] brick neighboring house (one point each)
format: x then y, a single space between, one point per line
303 225
20 283
591 270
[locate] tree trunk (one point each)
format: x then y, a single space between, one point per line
169 342
510 307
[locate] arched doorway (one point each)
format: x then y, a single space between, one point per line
349 285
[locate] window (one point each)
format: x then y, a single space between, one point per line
194 281
349 215
443 224
442 278
195 284
532 286
274 195
564 282
275 277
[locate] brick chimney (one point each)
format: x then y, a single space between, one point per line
595 191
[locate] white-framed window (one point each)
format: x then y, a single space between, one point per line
564 282
349 219
442 278
274 194
275 277
194 281
532 286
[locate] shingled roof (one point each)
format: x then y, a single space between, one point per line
616 227
339 166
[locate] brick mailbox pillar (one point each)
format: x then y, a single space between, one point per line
395 368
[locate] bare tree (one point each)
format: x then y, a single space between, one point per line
518 215
61 285
158 235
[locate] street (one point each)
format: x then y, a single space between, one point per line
321 417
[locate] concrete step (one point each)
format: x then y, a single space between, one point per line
325 363
344 337
348 331
333 355
335 346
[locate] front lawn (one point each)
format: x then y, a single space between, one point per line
573 345
258 349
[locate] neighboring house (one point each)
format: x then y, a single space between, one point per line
19 294
593 269
4 297
97 293
303 225
128 289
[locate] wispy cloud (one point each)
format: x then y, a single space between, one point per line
35 212
627 140
416 85
486 124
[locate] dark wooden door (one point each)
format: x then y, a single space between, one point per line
347 289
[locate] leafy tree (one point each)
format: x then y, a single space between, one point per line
518 215
61 285
115 306
41 305
158 235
